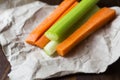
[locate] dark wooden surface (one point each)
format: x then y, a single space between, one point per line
4 65
101 3
112 73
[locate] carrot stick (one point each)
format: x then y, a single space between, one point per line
41 28
42 41
98 20
69 9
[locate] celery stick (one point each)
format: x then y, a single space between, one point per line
80 22
60 28
50 48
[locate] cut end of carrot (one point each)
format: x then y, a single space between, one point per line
60 51
30 42
42 42
30 39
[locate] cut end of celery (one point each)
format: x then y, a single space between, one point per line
51 36
50 48
47 52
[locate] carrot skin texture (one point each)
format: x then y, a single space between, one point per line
43 40
48 22
99 19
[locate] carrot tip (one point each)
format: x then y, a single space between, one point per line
29 42
40 46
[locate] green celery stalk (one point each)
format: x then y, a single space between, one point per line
50 48
79 23
60 28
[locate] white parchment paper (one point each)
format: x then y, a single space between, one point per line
6 4
28 62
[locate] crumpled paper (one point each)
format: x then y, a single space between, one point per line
6 4
28 62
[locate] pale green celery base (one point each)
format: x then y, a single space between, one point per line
50 48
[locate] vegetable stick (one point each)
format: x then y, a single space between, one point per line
99 19
69 9
50 48
41 28
60 28
42 41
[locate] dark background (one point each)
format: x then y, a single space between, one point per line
102 3
112 73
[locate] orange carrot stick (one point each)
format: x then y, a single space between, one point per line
39 31
69 9
42 41
98 20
